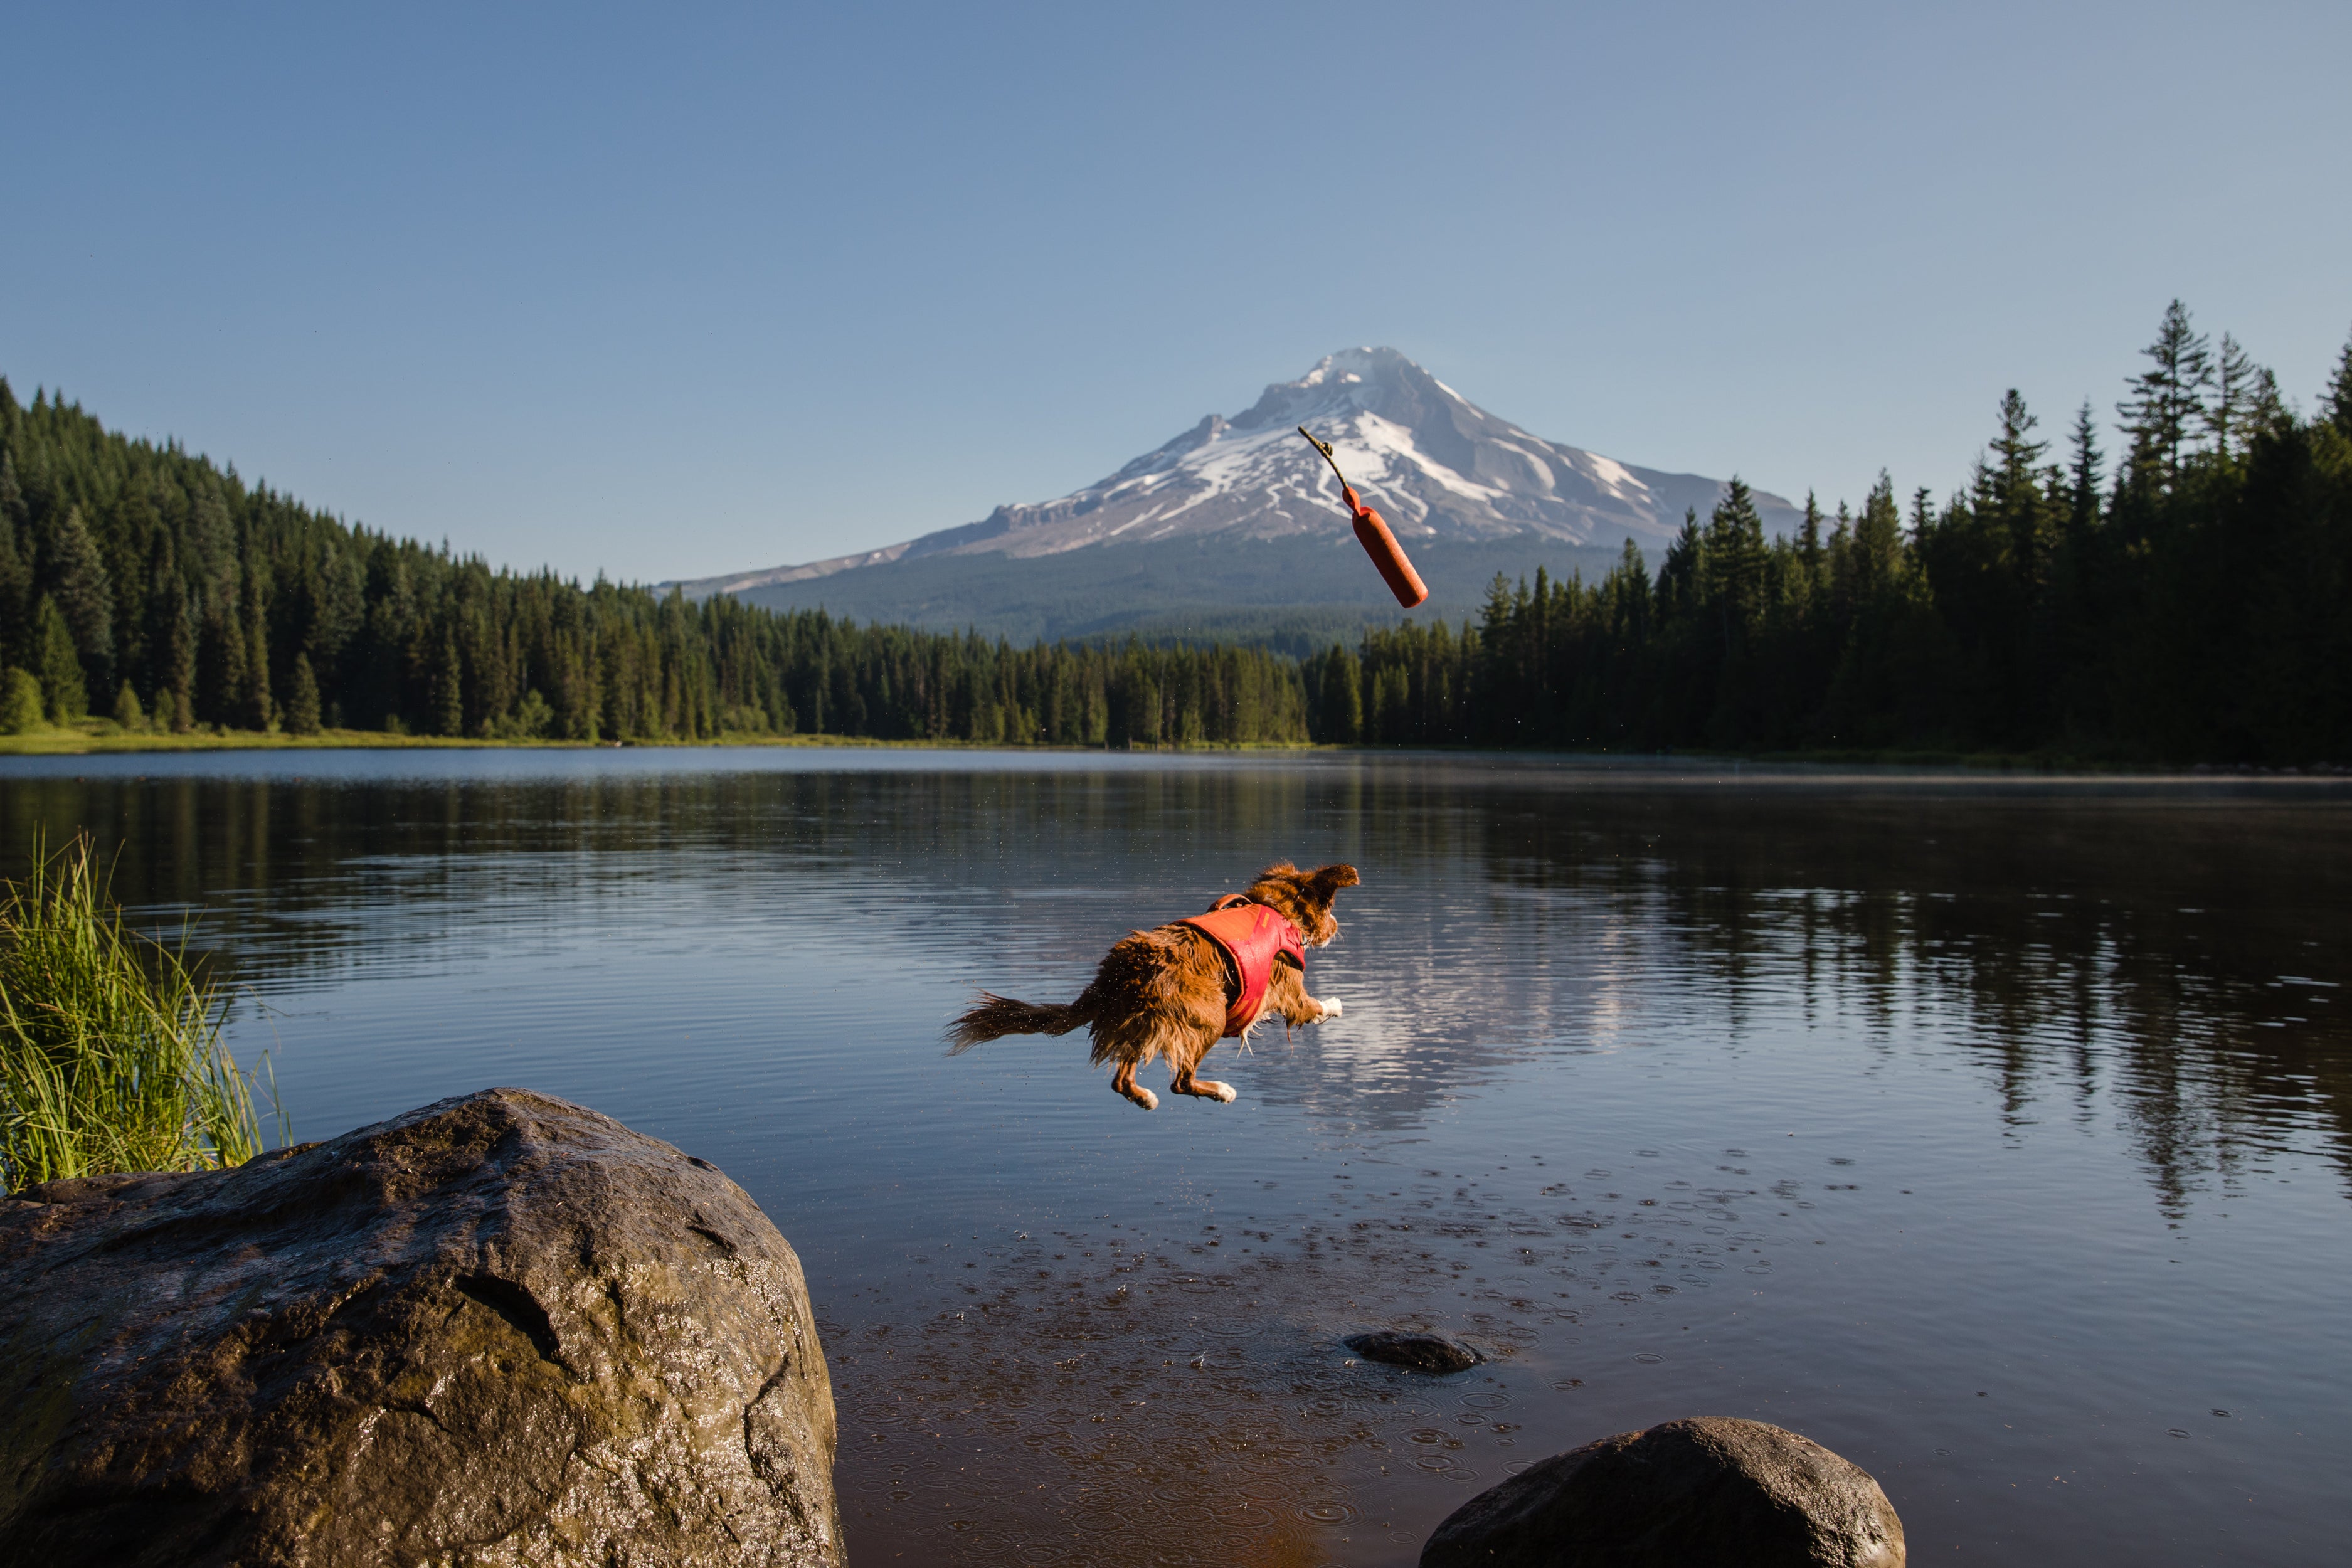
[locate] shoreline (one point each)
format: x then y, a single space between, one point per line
93 741
56 743
103 738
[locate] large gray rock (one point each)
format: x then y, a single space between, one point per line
1712 1492
500 1330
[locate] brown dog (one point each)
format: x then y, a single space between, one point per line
1175 991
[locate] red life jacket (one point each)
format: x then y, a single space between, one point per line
1254 937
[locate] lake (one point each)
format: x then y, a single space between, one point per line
1990 1130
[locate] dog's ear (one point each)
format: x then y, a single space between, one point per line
1326 881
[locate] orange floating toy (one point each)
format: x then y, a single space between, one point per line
1372 532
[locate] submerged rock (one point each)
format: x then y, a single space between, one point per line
499 1330
1713 1492
1422 1352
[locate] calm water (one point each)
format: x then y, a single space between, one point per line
1992 1132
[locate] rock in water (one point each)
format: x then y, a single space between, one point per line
1422 1352
1713 1492
502 1330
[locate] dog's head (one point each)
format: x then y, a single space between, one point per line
1304 898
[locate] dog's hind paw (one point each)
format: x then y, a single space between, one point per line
1221 1092
1331 1007
1144 1098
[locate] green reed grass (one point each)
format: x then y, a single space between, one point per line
110 1051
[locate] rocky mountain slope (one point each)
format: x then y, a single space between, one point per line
1465 487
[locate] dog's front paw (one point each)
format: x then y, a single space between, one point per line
1331 1007
1224 1091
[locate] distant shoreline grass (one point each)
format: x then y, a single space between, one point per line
98 737
93 740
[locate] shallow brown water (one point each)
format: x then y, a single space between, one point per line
1992 1131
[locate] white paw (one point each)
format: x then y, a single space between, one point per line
1146 1098
1331 1007
1224 1091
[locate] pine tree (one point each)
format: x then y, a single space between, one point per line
210 547
12 493
16 591
257 709
1878 539
85 596
1342 697
57 664
16 565
221 687
2337 408
2009 491
2168 401
449 698
179 672
2083 495
302 701
2266 410
127 711
2010 481
1735 553
2018 454
2238 383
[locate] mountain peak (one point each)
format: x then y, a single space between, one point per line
1368 379
1435 464
1351 366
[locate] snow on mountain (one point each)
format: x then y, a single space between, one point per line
1435 465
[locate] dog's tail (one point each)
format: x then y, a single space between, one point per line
992 1016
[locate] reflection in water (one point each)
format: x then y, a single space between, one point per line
2160 949
1986 1131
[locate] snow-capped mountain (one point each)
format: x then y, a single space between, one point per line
1437 466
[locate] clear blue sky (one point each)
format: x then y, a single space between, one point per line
678 289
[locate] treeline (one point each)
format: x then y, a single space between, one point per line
2196 604
142 584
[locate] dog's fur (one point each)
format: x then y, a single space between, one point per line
1163 992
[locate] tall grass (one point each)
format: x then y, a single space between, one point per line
111 1055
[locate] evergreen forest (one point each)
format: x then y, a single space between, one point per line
140 584
2191 605
2195 604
